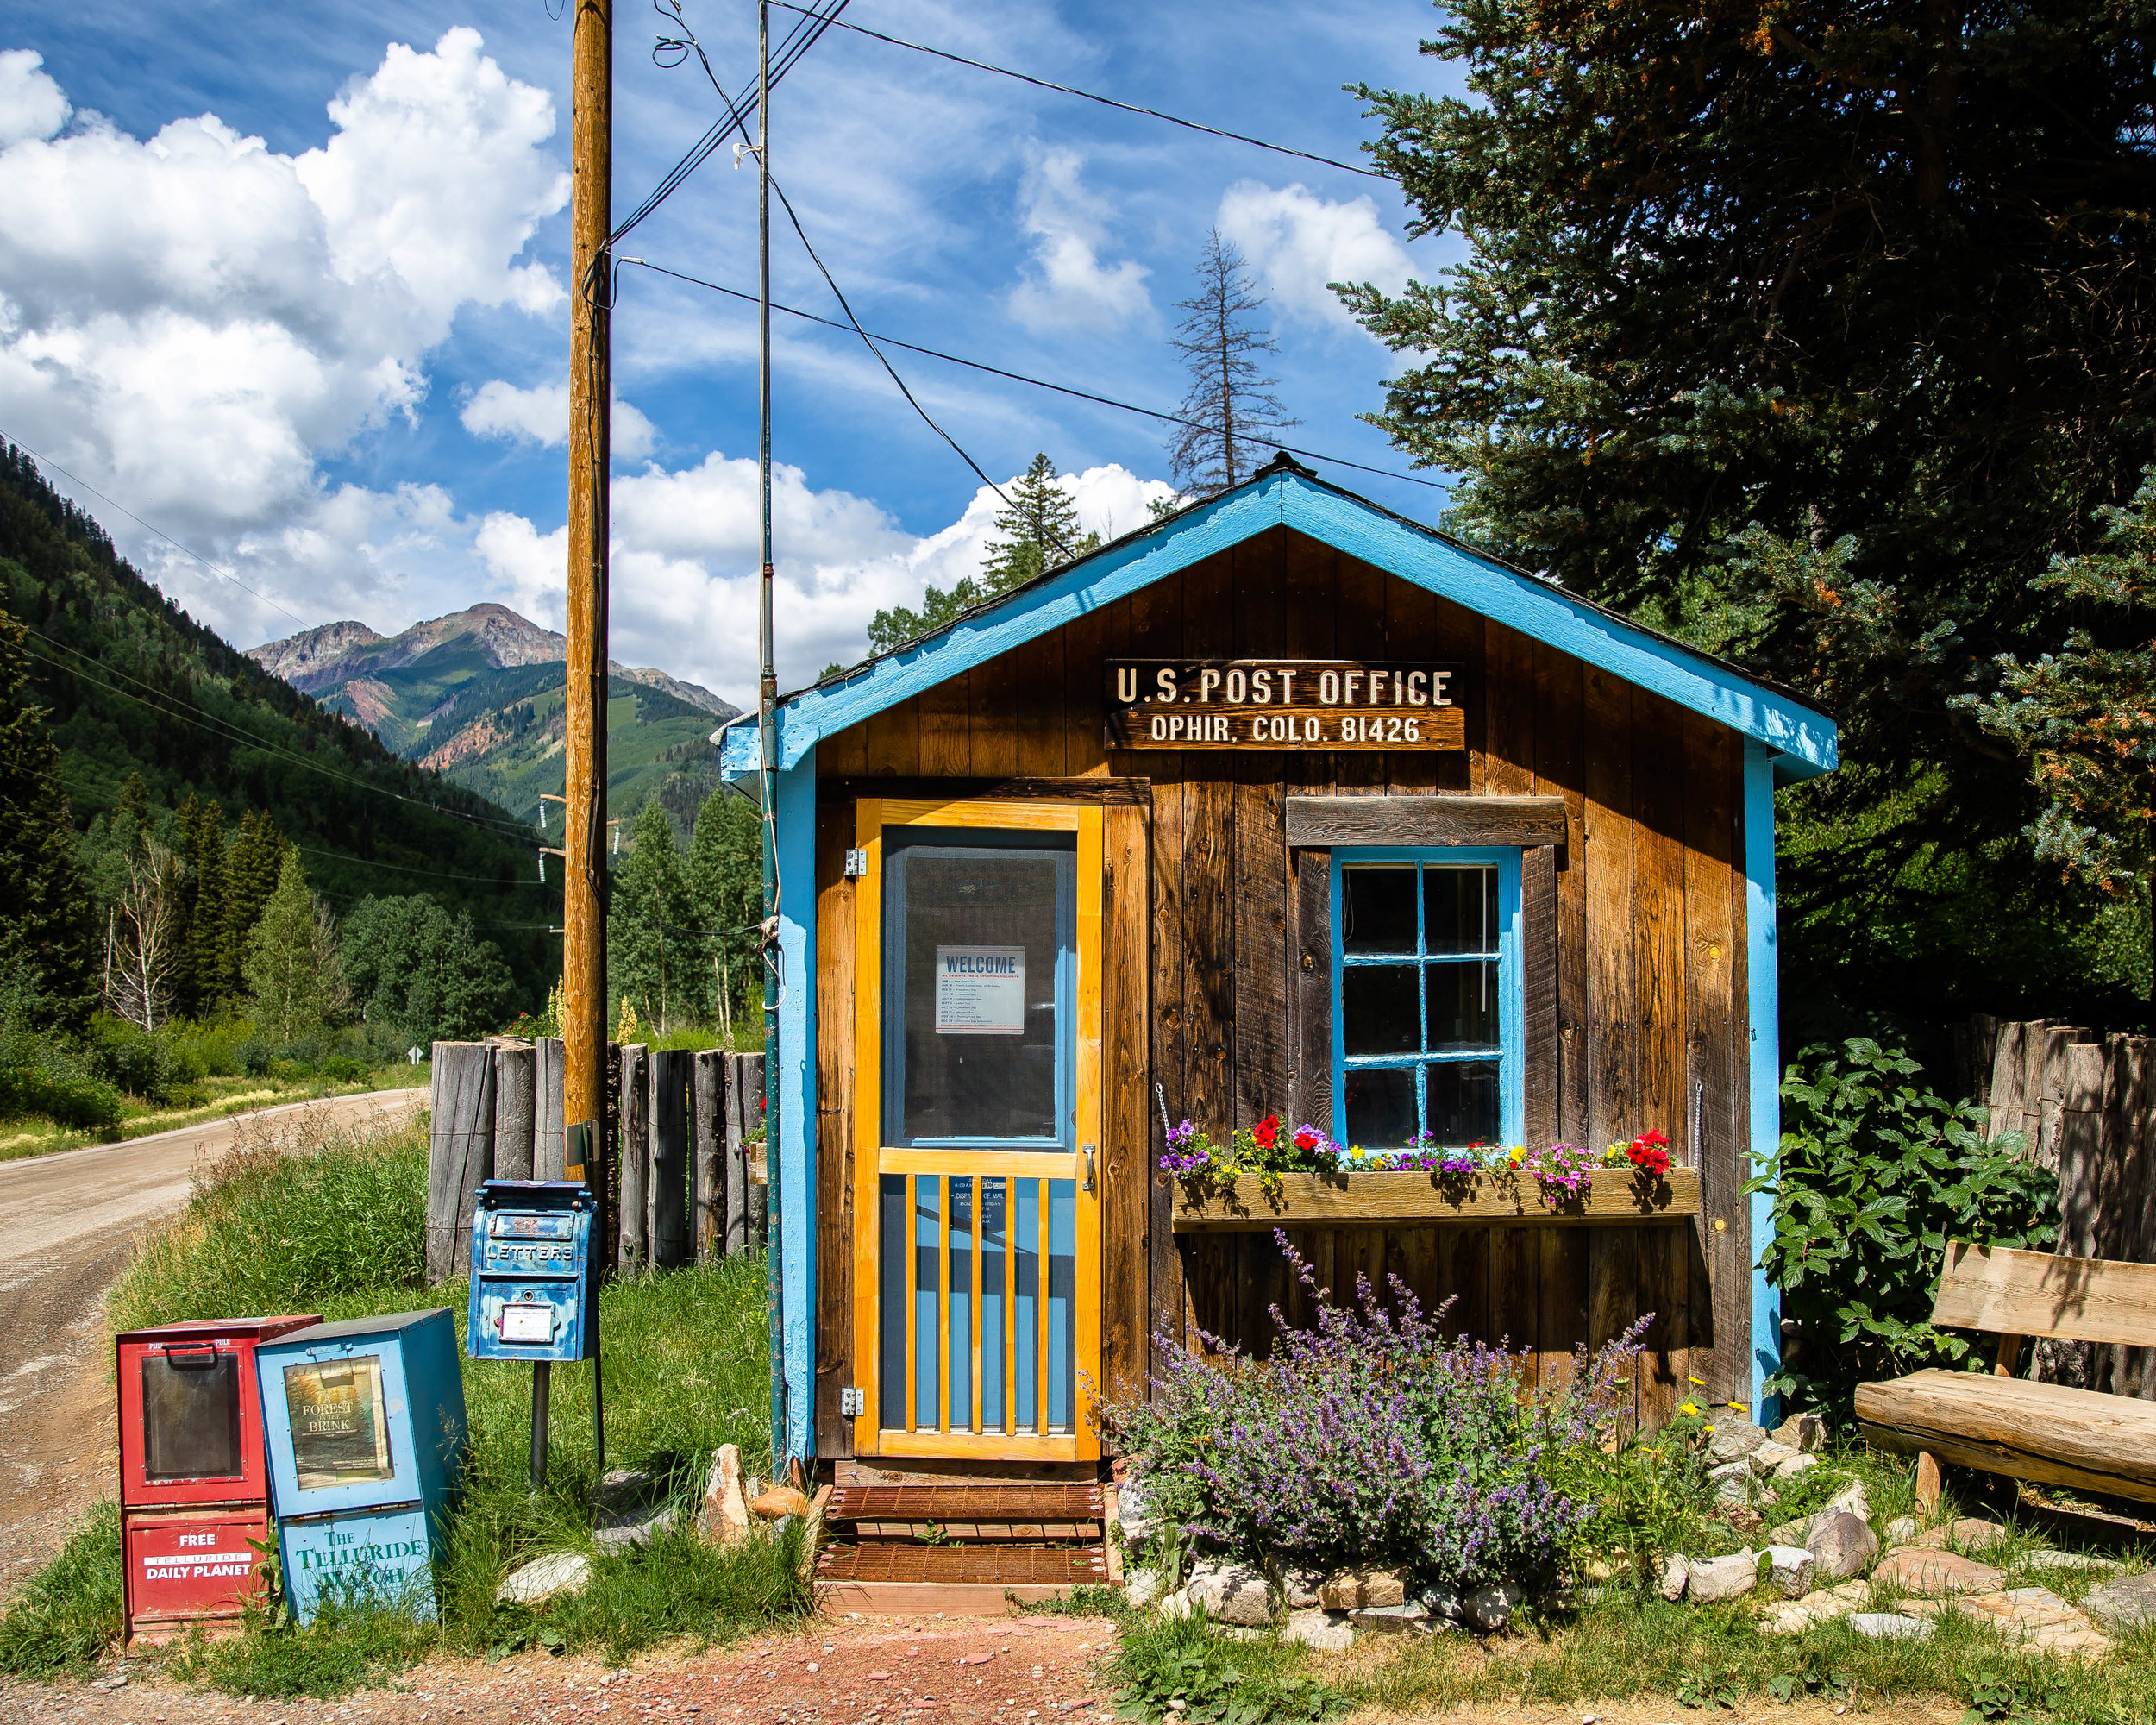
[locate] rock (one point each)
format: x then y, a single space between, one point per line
616 1532
1141 1587
1486 1609
1791 1572
1362 1588
1769 1456
1734 1438
1970 1533
1889 1625
2083 1563
780 1501
1442 1601
2126 1604
1391 1620
1300 1588
1903 1530
626 1488
2036 1618
1853 1499
1732 1481
1676 1571
1791 1466
1842 1544
725 1518
1716 1579
1176 1604
1824 1606
1327 1632
1789 1618
1803 1431
1233 1593
1931 1574
1789 1533
544 1577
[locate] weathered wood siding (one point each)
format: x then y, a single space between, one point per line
1221 964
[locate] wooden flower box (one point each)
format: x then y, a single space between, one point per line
1618 1197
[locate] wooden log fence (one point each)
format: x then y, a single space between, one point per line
2086 1104
689 1166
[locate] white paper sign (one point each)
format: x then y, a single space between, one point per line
528 1322
980 990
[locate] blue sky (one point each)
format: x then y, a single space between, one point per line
288 284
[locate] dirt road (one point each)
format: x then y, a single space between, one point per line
67 1222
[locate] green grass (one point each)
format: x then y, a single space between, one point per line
333 1224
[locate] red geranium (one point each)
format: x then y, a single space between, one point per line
1650 1153
1267 1132
1308 1137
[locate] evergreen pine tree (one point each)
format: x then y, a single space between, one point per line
655 947
1229 397
292 967
202 837
252 867
42 925
726 884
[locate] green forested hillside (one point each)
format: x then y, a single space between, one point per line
134 686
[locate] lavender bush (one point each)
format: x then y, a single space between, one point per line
1373 1440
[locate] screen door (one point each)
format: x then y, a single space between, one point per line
977 1317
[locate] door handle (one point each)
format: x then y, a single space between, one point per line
1088 1185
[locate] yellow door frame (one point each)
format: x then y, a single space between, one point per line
873 1159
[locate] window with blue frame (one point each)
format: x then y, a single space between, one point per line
1428 1040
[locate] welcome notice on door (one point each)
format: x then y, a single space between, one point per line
1284 704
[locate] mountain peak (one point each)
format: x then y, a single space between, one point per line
294 657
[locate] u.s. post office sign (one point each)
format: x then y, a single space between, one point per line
1284 704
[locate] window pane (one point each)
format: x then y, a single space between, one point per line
190 1416
1463 1005
1463 1101
1377 910
1381 1106
1459 910
1379 1010
981 942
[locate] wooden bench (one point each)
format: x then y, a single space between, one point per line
2048 1432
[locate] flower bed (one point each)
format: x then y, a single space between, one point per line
1261 1181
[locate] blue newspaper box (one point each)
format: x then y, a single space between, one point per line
534 1274
364 1424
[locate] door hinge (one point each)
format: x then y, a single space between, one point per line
856 863
852 1403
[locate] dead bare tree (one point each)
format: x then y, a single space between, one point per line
142 937
1230 397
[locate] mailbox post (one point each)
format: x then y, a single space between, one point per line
194 1489
363 1424
535 1285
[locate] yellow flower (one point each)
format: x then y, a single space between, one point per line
1517 1155
1689 1407
1696 1383
1739 1405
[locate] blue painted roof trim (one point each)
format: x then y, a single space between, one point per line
1803 740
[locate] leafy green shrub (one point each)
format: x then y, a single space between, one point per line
1177 1668
42 1074
68 1612
130 1058
1874 1175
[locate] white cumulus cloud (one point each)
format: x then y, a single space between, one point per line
192 321
1066 286
541 416
1297 241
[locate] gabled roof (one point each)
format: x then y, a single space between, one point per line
1802 736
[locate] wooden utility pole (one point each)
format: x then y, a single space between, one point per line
584 890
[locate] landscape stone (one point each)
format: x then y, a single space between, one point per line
1734 1438
1733 1480
1233 1593
1327 1632
725 1518
1794 1466
1176 1604
1789 1533
1790 1575
1442 1601
625 1488
617 1531
779 1502
1142 1587
2083 1563
1828 1604
2126 1604
1853 1499
544 1577
2034 1617
1729 1577
1391 1620
1676 1571
1970 1533
1486 1609
1769 1456
1932 1574
1890 1626
1903 1530
1301 1588
1843 1544
1805 1432
1361 1588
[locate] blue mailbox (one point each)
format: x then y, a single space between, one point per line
364 1424
534 1274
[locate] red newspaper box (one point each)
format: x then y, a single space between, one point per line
193 1486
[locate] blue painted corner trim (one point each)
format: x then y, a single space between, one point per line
795 1368
1804 742
1764 1007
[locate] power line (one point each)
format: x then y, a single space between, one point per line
1020 376
1089 96
223 573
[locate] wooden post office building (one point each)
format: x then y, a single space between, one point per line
1283 805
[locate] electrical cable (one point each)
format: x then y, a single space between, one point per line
223 573
1020 376
786 203
1089 96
